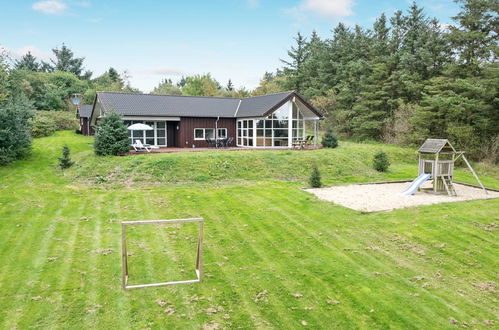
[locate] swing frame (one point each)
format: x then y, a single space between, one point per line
124 259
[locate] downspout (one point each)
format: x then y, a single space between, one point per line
216 131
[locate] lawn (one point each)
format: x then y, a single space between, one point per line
275 256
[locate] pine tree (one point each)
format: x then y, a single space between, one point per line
230 86
65 61
475 39
329 140
294 67
111 137
381 162
27 62
65 161
315 177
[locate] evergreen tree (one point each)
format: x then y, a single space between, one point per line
111 137
475 40
181 82
67 62
315 177
65 161
381 162
230 86
27 62
329 140
294 67
15 128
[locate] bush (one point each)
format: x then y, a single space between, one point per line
42 126
111 137
315 178
15 129
65 160
45 123
329 140
381 162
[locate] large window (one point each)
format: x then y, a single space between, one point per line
276 130
156 136
245 132
209 133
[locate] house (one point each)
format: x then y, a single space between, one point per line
83 113
273 120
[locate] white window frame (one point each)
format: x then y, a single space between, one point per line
204 133
144 137
224 134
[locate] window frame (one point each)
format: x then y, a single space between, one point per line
209 128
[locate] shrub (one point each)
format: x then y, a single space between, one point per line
381 162
315 178
15 129
42 126
45 123
111 137
329 140
65 160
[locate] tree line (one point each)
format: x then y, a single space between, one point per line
405 79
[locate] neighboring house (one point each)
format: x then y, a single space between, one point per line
83 113
187 121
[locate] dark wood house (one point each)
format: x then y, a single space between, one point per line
83 113
274 120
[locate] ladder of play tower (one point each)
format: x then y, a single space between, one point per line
449 187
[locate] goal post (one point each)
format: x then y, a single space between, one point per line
124 255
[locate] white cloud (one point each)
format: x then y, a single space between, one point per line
18 53
165 71
326 8
50 7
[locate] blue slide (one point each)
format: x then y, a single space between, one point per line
413 187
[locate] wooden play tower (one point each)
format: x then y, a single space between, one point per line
437 158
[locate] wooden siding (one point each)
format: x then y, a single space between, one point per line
172 134
188 124
84 127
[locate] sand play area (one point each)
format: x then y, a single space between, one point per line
387 196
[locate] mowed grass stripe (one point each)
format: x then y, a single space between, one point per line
370 262
320 252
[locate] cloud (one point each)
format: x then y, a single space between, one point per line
50 7
326 8
18 53
165 71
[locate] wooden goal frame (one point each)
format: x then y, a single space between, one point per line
124 259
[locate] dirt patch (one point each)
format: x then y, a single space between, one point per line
387 196
489 286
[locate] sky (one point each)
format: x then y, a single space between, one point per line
154 40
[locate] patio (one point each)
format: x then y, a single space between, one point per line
201 149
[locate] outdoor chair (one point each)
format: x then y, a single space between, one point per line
228 141
139 146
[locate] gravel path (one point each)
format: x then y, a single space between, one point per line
387 196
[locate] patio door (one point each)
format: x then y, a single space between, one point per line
157 136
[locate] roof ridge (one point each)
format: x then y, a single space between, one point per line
150 94
252 97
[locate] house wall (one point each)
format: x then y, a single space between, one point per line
188 124
85 128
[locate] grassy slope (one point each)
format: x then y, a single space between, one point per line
260 235
352 162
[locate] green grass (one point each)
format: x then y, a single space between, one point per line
266 241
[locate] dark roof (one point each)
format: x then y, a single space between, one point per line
435 146
258 105
168 105
129 104
85 110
